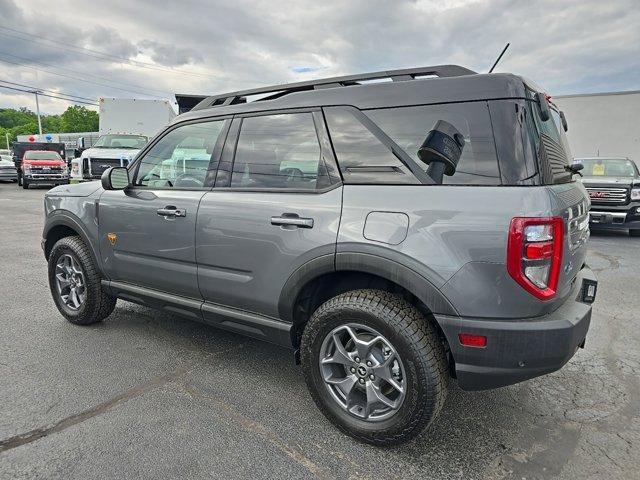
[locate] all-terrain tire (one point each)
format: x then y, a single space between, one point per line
98 305
415 340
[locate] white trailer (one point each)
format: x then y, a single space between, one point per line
126 125
134 116
603 124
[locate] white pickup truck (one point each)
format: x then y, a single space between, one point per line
126 126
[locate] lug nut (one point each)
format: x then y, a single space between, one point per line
361 380
357 359
353 369
369 363
372 377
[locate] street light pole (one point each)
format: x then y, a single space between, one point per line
38 113
6 136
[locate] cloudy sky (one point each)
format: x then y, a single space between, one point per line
153 49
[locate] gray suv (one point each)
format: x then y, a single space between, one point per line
397 235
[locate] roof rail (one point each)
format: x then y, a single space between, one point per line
233 98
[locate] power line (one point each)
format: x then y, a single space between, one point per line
46 95
99 54
78 79
45 90
86 74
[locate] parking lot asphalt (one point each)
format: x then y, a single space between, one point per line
148 395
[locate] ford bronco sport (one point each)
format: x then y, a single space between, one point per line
395 234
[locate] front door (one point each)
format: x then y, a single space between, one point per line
147 232
276 205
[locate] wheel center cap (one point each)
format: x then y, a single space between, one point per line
362 371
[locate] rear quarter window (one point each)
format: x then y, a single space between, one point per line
408 127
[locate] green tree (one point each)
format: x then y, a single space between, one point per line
79 119
10 118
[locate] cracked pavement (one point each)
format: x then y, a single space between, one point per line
149 395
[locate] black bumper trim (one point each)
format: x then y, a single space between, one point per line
519 349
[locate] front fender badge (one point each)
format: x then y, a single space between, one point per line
113 238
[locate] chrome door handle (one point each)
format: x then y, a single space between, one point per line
292 219
170 211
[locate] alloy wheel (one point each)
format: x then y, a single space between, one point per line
70 282
363 372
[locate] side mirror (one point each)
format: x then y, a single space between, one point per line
543 105
80 146
115 178
441 150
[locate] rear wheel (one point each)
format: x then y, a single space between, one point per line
634 233
75 284
374 366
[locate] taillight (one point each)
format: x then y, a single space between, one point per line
534 254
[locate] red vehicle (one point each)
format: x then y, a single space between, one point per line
41 166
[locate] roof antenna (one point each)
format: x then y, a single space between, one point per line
499 57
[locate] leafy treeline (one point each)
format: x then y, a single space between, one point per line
25 122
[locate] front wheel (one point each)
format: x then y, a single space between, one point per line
25 184
75 283
374 366
634 233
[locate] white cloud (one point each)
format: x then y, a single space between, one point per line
565 45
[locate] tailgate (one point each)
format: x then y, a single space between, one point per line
571 202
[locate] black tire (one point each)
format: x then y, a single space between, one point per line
414 339
98 305
25 184
634 233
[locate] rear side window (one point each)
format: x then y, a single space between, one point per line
279 151
362 157
408 127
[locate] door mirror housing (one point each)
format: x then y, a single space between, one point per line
80 143
115 178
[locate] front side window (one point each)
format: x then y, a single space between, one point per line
279 151
181 158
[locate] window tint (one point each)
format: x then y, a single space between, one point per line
278 151
361 156
181 158
408 127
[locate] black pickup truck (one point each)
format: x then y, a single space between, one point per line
614 188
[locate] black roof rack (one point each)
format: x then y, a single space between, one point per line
186 102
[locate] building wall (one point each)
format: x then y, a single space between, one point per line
604 124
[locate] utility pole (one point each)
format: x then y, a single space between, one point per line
38 113
6 136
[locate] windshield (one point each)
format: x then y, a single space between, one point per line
34 155
122 141
607 167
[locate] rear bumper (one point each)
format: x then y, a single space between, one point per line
519 349
10 175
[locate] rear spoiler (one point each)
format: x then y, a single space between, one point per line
187 102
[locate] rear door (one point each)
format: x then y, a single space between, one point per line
275 206
147 232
